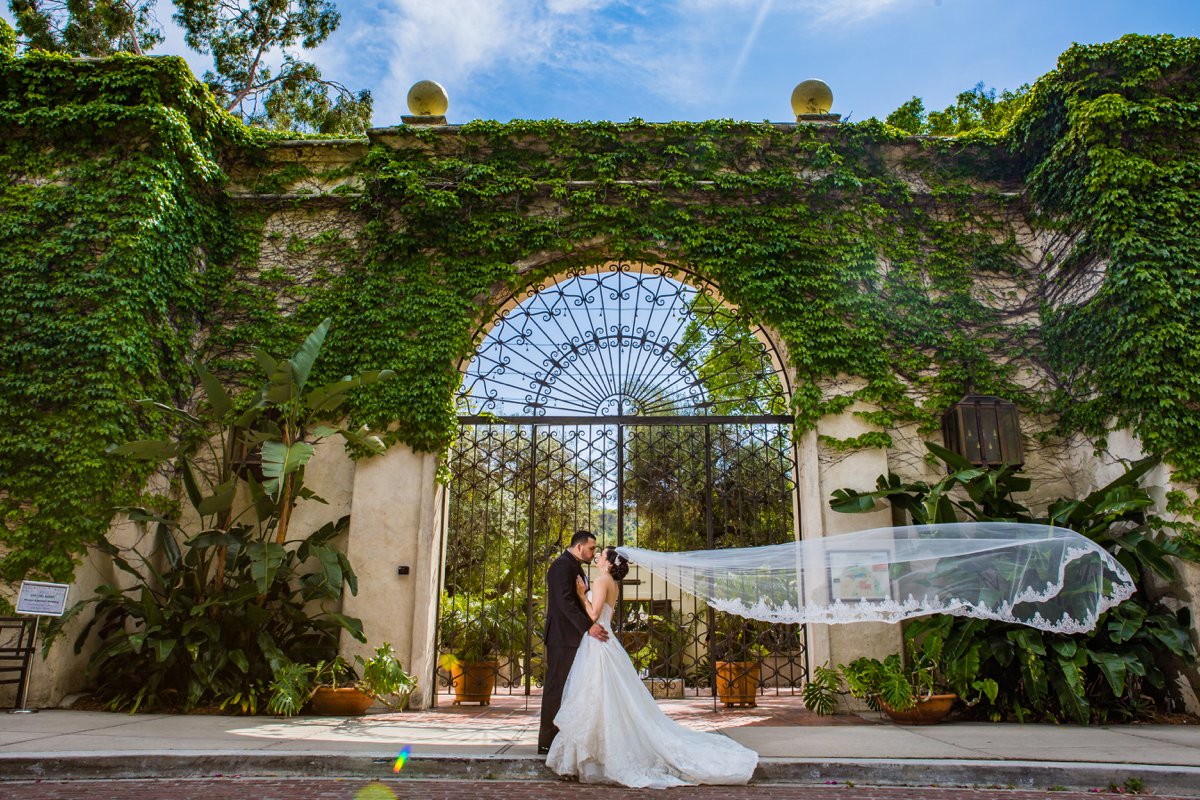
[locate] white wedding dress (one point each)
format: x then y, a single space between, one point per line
610 729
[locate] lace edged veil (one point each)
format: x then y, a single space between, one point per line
1043 576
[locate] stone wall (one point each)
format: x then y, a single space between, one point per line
304 192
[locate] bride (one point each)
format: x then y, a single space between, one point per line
610 730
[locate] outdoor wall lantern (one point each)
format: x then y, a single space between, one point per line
984 430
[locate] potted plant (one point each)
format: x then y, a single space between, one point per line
385 679
334 687
737 652
911 694
336 691
476 632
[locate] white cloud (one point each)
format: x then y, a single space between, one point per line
691 51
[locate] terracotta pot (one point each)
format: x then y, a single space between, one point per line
927 711
737 683
343 702
473 681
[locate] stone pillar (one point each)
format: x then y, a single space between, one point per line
819 477
396 521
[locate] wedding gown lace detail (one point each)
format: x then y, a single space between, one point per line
611 730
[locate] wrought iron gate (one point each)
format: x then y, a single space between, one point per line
683 471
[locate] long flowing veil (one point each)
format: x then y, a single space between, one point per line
1038 575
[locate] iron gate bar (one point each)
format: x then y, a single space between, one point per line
529 558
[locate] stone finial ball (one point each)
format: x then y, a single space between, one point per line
427 99
812 97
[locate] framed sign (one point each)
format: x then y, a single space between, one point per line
859 575
43 599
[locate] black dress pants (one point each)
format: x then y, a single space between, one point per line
558 667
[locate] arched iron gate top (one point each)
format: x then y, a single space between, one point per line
622 340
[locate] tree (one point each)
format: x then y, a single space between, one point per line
241 35
87 27
910 117
975 109
8 40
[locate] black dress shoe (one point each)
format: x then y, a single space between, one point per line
543 751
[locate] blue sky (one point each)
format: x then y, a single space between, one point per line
664 60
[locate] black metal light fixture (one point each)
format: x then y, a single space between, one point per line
984 430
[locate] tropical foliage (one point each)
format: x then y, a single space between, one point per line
1119 670
213 601
898 683
383 677
484 627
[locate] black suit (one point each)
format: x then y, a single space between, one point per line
566 625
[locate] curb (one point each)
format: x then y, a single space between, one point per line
1038 775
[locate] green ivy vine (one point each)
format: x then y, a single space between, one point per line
1110 148
901 264
111 220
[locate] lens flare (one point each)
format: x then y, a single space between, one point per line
401 759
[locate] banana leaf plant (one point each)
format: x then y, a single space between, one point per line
1119 670
221 597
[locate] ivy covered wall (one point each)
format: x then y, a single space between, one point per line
140 227
111 230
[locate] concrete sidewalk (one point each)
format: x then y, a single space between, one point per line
499 742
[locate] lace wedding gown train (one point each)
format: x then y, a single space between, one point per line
610 729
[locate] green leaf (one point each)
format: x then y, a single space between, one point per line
218 398
351 625
1125 621
220 501
147 450
848 501
280 460
330 396
163 648
239 660
281 386
1070 692
214 538
266 361
265 560
949 457
302 360
1112 667
189 483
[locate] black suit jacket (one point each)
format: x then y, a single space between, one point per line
566 621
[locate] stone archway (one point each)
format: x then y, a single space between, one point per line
629 399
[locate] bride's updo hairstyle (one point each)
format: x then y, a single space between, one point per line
620 564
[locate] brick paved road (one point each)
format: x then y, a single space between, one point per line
358 789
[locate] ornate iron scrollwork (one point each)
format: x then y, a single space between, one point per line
640 407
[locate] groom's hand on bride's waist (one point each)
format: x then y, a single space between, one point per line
597 631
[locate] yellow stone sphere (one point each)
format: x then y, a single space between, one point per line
427 99
812 97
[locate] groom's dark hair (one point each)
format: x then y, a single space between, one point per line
581 536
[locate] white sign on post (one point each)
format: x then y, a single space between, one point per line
43 599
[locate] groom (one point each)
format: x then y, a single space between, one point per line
566 623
